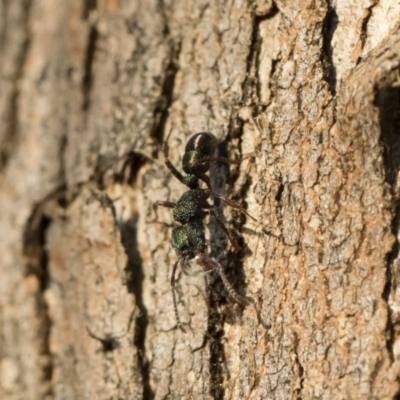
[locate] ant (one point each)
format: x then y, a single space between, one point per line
188 239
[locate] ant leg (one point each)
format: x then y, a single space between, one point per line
178 321
236 296
232 239
169 164
265 325
206 262
234 205
161 203
205 178
231 291
203 259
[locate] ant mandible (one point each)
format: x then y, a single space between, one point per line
188 239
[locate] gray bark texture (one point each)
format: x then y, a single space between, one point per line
304 93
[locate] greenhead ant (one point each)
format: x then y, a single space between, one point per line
188 239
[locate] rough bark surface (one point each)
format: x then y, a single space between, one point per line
89 90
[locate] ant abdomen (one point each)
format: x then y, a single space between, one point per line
198 151
203 142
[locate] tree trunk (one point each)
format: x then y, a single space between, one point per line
305 94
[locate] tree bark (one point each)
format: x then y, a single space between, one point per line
305 94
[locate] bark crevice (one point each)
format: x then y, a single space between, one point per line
9 140
34 250
136 275
329 28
